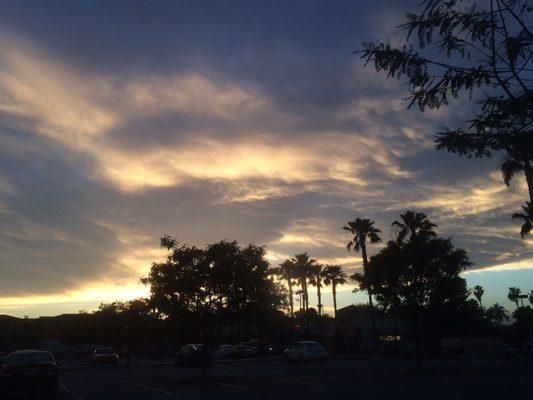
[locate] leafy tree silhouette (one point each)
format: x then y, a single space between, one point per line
419 274
487 46
224 278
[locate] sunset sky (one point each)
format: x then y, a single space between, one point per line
208 120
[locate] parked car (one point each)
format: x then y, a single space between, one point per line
241 351
191 354
306 350
223 351
254 344
104 355
29 371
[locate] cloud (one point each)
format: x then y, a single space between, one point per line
87 113
276 137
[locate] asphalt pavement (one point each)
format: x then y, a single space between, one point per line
343 378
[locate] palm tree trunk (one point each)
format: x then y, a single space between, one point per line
334 290
306 298
306 307
319 298
291 304
369 290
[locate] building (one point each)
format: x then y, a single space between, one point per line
354 324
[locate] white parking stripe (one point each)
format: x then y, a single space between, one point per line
234 386
70 392
145 387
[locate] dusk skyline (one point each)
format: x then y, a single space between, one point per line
247 121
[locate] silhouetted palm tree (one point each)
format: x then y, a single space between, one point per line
303 266
316 279
478 292
531 297
286 271
414 224
497 314
527 217
334 276
514 295
363 229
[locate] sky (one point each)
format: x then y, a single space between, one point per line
207 120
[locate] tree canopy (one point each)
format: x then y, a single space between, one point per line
221 278
481 49
420 275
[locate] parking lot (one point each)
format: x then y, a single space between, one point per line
261 379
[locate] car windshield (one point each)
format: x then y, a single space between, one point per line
29 359
104 351
313 345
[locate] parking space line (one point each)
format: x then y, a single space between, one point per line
234 386
70 392
145 387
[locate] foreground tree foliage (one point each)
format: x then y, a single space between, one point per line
418 276
482 49
224 279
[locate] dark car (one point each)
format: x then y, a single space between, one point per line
29 371
241 351
191 354
104 355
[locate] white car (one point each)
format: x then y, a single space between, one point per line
223 351
306 350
